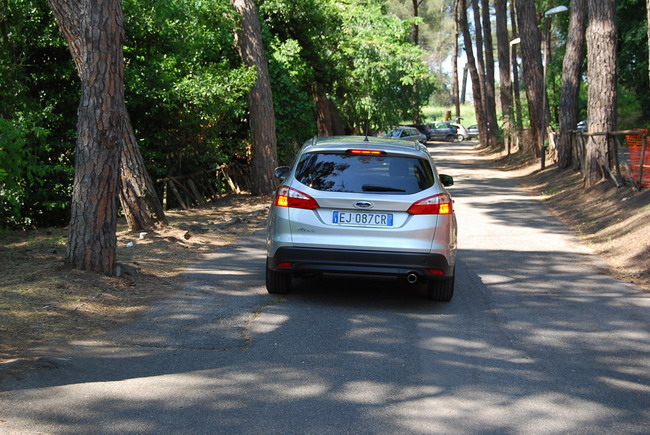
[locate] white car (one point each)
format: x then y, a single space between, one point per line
355 205
462 132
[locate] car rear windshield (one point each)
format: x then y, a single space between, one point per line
364 174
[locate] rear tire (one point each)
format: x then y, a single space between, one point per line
449 138
461 138
441 289
277 283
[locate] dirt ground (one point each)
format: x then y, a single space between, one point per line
41 301
613 222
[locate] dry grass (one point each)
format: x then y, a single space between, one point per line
42 301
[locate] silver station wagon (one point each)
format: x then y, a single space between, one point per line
359 205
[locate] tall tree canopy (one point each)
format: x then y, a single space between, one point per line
333 66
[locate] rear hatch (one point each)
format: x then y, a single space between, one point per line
365 201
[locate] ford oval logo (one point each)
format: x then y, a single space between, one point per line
363 204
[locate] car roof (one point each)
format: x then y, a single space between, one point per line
342 143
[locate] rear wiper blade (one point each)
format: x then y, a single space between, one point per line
373 188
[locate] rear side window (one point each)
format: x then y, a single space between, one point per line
364 174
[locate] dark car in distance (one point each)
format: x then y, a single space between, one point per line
422 128
442 131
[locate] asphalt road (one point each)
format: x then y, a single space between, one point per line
536 340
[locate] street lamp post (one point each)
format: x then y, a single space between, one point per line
548 16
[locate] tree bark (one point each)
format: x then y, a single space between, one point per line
416 41
515 75
416 26
455 93
94 30
140 202
490 92
503 47
485 128
532 69
571 74
138 197
260 100
473 71
601 76
328 119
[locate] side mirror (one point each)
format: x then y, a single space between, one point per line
281 172
446 180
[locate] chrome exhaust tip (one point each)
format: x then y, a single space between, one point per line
412 277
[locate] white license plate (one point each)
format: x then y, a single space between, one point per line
362 218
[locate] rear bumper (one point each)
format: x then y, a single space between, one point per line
301 261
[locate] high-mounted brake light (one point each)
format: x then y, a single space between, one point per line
437 204
366 152
292 198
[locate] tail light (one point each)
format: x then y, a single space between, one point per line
437 204
366 152
288 197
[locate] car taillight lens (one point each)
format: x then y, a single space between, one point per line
366 152
437 204
288 197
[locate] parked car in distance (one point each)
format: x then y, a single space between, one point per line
422 128
472 131
365 206
406 133
442 131
582 126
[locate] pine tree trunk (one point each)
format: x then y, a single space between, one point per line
95 28
532 69
503 47
324 124
571 75
260 100
473 70
601 76
455 93
485 127
515 76
416 27
416 41
490 92
138 197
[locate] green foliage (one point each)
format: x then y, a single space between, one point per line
632 66
295 112
362 57
633 81
37 117
383 74
185 85
301 37
435 28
